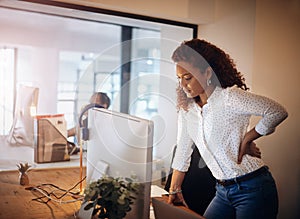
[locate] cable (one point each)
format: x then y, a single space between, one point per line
83 127
57 198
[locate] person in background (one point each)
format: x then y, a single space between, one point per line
98 98
214 109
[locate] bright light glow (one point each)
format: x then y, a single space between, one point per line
6 88
33 110
149 62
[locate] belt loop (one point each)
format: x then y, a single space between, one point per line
236 181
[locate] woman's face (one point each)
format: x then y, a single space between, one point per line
191 79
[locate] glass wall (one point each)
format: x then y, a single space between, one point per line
70 54
82 74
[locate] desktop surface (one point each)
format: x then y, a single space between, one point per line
163 210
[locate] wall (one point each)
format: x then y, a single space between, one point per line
46 63
277 75
233 30
193 11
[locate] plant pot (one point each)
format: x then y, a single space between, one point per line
24 179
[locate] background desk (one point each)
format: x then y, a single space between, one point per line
16 202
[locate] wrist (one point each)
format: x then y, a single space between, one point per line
251 136
174 191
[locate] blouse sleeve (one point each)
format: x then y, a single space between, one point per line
245 102
184 149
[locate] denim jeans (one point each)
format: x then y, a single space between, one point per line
255 198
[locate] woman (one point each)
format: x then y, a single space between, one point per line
214 111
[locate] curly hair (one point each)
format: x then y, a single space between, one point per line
202 54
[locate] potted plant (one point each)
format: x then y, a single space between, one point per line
110 197
23 169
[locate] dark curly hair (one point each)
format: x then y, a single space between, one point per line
202 54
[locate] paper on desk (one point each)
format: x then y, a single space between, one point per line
156 191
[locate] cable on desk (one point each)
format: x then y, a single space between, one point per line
51 196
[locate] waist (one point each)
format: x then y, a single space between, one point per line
245 177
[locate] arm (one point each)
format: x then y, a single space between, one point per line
272 114
71 132
75 131
175 192
181 160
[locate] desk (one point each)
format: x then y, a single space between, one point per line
165 199
16 202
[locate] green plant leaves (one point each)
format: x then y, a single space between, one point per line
111 197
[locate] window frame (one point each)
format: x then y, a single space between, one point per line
116 13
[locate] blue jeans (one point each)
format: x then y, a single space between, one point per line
255 198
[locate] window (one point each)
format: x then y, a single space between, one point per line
69 54
145 70
81 74
7 87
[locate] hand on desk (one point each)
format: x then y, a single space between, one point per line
163 209
177 199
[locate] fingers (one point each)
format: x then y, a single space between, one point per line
171 199
185 204
257 153
242 151
254 151
248 148
177 199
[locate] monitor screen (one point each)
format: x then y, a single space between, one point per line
121 145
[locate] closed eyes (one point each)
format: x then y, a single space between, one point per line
186 77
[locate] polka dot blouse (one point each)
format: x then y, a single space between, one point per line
218 128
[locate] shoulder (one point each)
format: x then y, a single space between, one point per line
235 93
234 90
235 97
228 93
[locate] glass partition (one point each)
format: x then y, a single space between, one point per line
70 51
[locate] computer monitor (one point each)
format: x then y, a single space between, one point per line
121 145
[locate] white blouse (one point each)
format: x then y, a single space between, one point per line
218 129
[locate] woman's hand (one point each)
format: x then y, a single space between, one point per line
177 199
175 193
248 146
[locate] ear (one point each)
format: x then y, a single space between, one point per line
208 72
